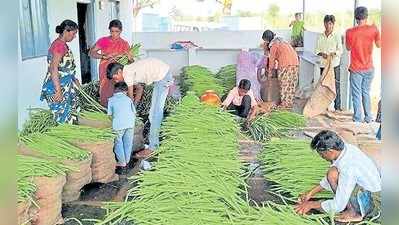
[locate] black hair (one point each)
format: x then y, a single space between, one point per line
115 23
329 18
113 69
361 13
268 35
326 140
298 14
120 86
245 84
67 25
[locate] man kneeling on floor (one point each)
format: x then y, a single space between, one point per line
353 177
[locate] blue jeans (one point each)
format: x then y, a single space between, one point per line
362 202
158 99
360 88
123 145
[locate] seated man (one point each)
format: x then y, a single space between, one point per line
353 177
241 100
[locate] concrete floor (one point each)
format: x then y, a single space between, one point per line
93 195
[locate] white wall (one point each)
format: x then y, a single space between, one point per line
206 39
126 16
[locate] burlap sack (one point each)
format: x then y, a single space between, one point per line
48 197
373 148
138 142
22 149
103 163
75 180
270 90
23 215
94 123
265 107
347 135
323 95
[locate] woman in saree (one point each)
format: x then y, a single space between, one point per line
58 87
283 57
107 49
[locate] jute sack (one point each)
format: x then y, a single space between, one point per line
23 215
103 163
94 123
270 90
373 148
75 180
347 135
48 197
323 95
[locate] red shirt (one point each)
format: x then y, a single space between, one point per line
360 41
284 54
58 47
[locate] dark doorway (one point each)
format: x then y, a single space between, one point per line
83 42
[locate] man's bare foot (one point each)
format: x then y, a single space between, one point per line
349 216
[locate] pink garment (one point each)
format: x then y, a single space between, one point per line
59 47
107 46
236 99
247 64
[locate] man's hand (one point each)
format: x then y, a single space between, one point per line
305 207
304 197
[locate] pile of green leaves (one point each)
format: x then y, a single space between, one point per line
88 99
198 178
40 120
275 124
92 90
29 167
73 133
94 115
293 165
144 106
199 79
134 50
226 77
54 147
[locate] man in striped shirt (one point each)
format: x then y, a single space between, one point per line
353 177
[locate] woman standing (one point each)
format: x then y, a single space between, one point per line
110 47
57 88
283 58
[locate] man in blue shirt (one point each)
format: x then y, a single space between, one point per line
123 113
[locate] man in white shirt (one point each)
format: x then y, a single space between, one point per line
353 177
145 72
329 43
